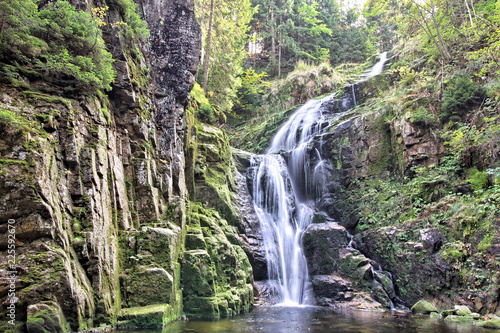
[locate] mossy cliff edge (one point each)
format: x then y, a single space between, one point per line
107 233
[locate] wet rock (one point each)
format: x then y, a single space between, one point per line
379 294
46 317
423 307
494 323
356 266
458 319
331 288
431 239
322 243
385 280
462 310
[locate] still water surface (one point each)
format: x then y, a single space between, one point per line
277 319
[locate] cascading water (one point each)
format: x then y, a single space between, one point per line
283 198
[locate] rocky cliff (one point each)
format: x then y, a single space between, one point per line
95 187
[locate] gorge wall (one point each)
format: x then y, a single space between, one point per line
101 190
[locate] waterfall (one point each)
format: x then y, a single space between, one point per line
281 190
378 67
283 197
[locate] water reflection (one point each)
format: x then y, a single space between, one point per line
309 319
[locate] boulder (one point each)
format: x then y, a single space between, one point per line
146 285
46 317
332 287
458 319
494 323
423 307
462 310
322 243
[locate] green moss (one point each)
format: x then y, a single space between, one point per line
14 121
423 307
216 275
458 319
494 323
147 316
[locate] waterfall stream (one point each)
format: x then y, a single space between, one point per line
283 197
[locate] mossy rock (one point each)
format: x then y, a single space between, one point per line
448 312
143 286
423 307
434 315
46 317
494 323
146 317
204 307
458 319
462 310
379 294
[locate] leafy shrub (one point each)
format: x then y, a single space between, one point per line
421 117
202 108
206 114
478 179
460 94
135 28
57 44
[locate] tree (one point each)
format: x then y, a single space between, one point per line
206 62
225 47
381 19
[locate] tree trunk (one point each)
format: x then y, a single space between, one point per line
273 44
440 38
206 61
279 50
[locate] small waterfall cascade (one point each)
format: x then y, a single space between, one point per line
283 196
378 67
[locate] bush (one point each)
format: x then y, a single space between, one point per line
58 44
460 94
421 117
478 179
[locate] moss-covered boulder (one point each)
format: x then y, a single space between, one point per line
458 319
462 310
494 323
356 266
150 316
423 307
46 317
151 272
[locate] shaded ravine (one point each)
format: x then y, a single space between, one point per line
286 184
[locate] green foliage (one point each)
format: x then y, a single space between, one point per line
317 31
133 28
227 48
421 117
460 94
475 140
478 179
253 86
57 43
202 109
382 17
13 121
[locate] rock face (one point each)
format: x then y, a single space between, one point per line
96 189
